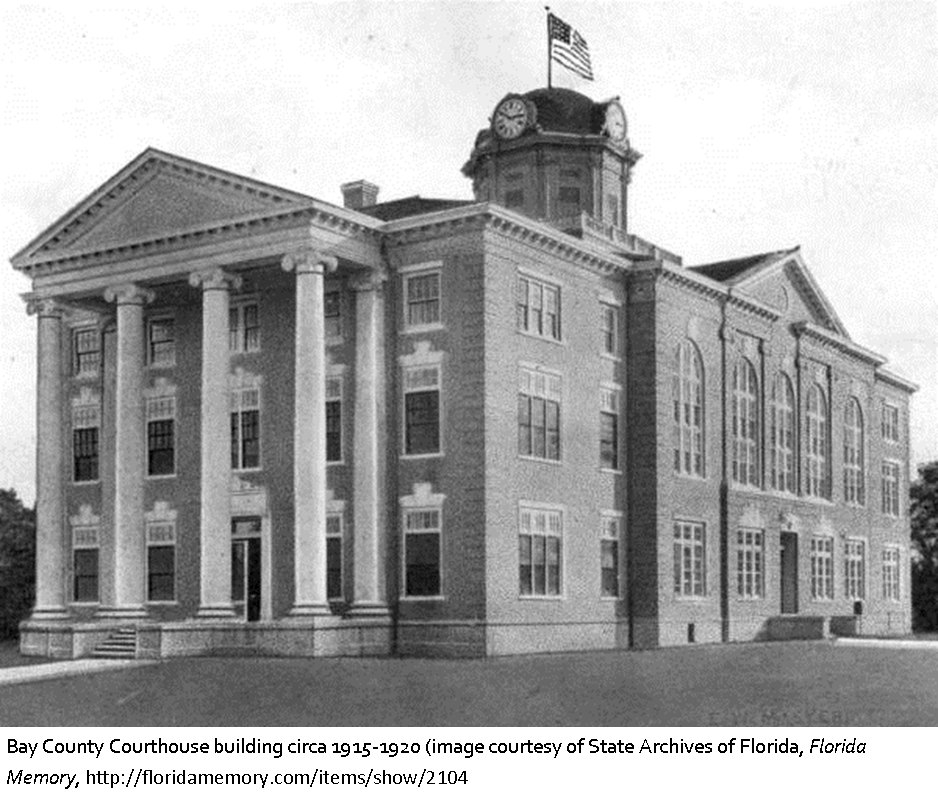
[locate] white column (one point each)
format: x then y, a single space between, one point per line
215 518
129 569
50 447
309 433
369 588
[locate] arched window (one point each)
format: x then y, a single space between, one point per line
818 482
783 435
854 476
687 396
745 424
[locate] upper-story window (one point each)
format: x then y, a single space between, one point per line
890 423
687 398
890 488
161 342
332 312
422 299
334 419
783 435
161 435
745 424
854 471
538 307
422 409
609 427
246 428
818 480
612 209
244 328
86 425
86 351
568 200
609 326
539 414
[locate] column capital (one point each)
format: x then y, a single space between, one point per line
214 279
369 280
306 261
130 293
45 308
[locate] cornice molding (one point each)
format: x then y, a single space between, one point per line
838 343
890 378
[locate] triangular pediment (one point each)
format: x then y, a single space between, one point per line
154 197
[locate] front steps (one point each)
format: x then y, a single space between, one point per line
120 644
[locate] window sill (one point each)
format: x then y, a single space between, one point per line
89 483
335 341
691 598
84 604
421 598
695 477
161 603
554 598
243 353
86 376
545 338
609 598
160 476
615 358
611 471
161 366
337 462
407 330
258 469
540 460
436 455
746 488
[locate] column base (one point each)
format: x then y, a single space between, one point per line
48 614
369 609
310 610
220 612
122 613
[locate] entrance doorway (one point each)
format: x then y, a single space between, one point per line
789 572
246 567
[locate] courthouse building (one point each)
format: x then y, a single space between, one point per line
271 425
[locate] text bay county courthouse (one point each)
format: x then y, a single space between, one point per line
271 425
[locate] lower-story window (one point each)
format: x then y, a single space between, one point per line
855 569
422 528
750 558
86 575
540 543
334 557
609 556
161 561
690 562
891 573
822 568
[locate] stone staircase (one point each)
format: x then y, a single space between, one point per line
120 644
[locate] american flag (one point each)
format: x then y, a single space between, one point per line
568 48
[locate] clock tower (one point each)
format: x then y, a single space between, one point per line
557 156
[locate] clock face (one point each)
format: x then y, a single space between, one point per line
511 118
615 122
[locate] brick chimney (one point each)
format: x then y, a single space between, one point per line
359 194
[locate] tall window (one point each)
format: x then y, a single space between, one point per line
609 428
745 424
332 311
822 568
609 326
161 436
750 563
890 423
422 291
244 328
86 424
246 428
538 307
612 209
86 351
540 544
85 564
690 562
161 561
609 556
334 419
539 414
568 199
687 397
783 435
422 531
818 482
422 409
854 475
161 342
891 488
855 569
334 556
891 573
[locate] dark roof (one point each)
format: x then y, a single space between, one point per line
567 111
735 270
411 206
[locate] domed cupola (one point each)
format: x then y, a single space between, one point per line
554 154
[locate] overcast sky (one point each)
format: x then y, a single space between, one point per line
762 126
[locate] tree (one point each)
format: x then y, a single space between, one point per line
17 562
923 503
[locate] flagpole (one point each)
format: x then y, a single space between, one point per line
547 9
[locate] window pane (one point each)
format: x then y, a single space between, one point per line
422 420
161 570
422 564
333 568
86 575
333 431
